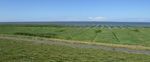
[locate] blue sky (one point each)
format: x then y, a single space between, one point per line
75 10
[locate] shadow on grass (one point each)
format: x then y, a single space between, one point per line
46 35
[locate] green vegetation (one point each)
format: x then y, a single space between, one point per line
101 34
136 30
24 51
47 35
98 31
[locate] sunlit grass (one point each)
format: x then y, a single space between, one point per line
24 51
115 35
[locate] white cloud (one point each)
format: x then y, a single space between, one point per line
98 18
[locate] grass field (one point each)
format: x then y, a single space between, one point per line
106 34
24 51
18 49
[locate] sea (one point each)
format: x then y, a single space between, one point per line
145 24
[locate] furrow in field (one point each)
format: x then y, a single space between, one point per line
114 35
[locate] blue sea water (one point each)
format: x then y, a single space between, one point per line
146 24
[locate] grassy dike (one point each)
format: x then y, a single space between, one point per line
24 51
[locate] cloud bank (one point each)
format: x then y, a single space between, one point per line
97 18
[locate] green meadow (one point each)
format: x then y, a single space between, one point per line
25 51
115 35
21 50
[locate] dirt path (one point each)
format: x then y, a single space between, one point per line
82 45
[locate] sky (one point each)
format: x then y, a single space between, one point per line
75 10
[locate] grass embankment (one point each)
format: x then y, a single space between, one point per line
24 51
122 35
